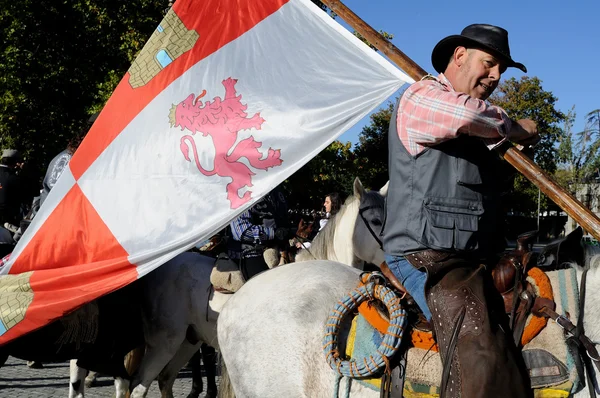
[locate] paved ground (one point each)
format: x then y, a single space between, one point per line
18 381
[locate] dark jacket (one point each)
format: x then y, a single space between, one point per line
12 195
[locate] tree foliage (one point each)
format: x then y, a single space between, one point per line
332 170
60 61
526 99
372 149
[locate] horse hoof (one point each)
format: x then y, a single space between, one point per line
35 365
90 383
211 393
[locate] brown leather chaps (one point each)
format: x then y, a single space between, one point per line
471 329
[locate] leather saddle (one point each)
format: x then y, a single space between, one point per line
509 276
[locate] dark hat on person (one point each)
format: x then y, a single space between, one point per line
11 154
488 38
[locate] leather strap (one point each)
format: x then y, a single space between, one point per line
387 272
562 321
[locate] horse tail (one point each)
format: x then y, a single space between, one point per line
225 386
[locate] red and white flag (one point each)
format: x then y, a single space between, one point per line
226 100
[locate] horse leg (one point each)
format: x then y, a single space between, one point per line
121 387
76 380
160 349
209 360
197 384
91 379
169 373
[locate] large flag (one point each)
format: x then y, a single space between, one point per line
226 100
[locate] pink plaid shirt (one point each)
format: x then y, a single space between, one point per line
431 112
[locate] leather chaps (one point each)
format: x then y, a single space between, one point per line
471 329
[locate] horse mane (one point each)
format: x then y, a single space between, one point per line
322 247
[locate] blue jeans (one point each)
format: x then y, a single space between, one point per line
412 279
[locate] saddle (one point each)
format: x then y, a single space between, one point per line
227 276
509 277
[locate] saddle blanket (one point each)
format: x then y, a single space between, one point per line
551 365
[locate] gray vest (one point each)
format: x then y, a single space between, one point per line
445 198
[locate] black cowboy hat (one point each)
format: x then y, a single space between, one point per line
489 38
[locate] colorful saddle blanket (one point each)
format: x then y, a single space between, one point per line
551 365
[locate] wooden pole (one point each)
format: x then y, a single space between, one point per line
584 217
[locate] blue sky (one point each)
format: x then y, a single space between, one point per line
558 41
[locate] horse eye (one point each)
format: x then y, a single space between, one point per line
376 222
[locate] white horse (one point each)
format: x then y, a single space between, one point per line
281 316
348 225
180 314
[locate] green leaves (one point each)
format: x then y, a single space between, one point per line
526 99
60 62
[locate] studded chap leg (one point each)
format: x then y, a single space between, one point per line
483 359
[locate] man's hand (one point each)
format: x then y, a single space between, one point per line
524 131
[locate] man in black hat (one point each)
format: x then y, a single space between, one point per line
443 203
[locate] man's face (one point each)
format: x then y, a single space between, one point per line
327 204
479 72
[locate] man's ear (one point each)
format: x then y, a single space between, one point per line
460 56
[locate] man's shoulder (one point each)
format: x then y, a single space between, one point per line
426 84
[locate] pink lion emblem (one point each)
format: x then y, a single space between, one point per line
223 119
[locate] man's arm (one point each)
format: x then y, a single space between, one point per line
430 114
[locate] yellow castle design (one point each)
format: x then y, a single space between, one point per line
15 297
170 40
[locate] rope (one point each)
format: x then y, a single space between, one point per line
364 367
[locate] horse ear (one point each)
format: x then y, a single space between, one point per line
359 190
384 190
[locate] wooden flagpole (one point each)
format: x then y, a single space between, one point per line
584 217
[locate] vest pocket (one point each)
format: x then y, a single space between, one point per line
450 223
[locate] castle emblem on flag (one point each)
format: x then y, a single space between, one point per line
222 120
170 40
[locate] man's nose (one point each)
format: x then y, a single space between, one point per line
495 73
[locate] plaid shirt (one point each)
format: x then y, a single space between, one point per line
243 230
431 112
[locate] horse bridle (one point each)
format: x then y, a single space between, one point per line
361 210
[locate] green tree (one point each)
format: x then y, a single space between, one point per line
578 152
60 61
332 170
526 99
371 151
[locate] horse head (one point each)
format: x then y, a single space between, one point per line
305 229
369 223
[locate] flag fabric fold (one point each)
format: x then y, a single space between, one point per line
226 100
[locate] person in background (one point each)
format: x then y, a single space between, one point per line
262 226
332 205
59 162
